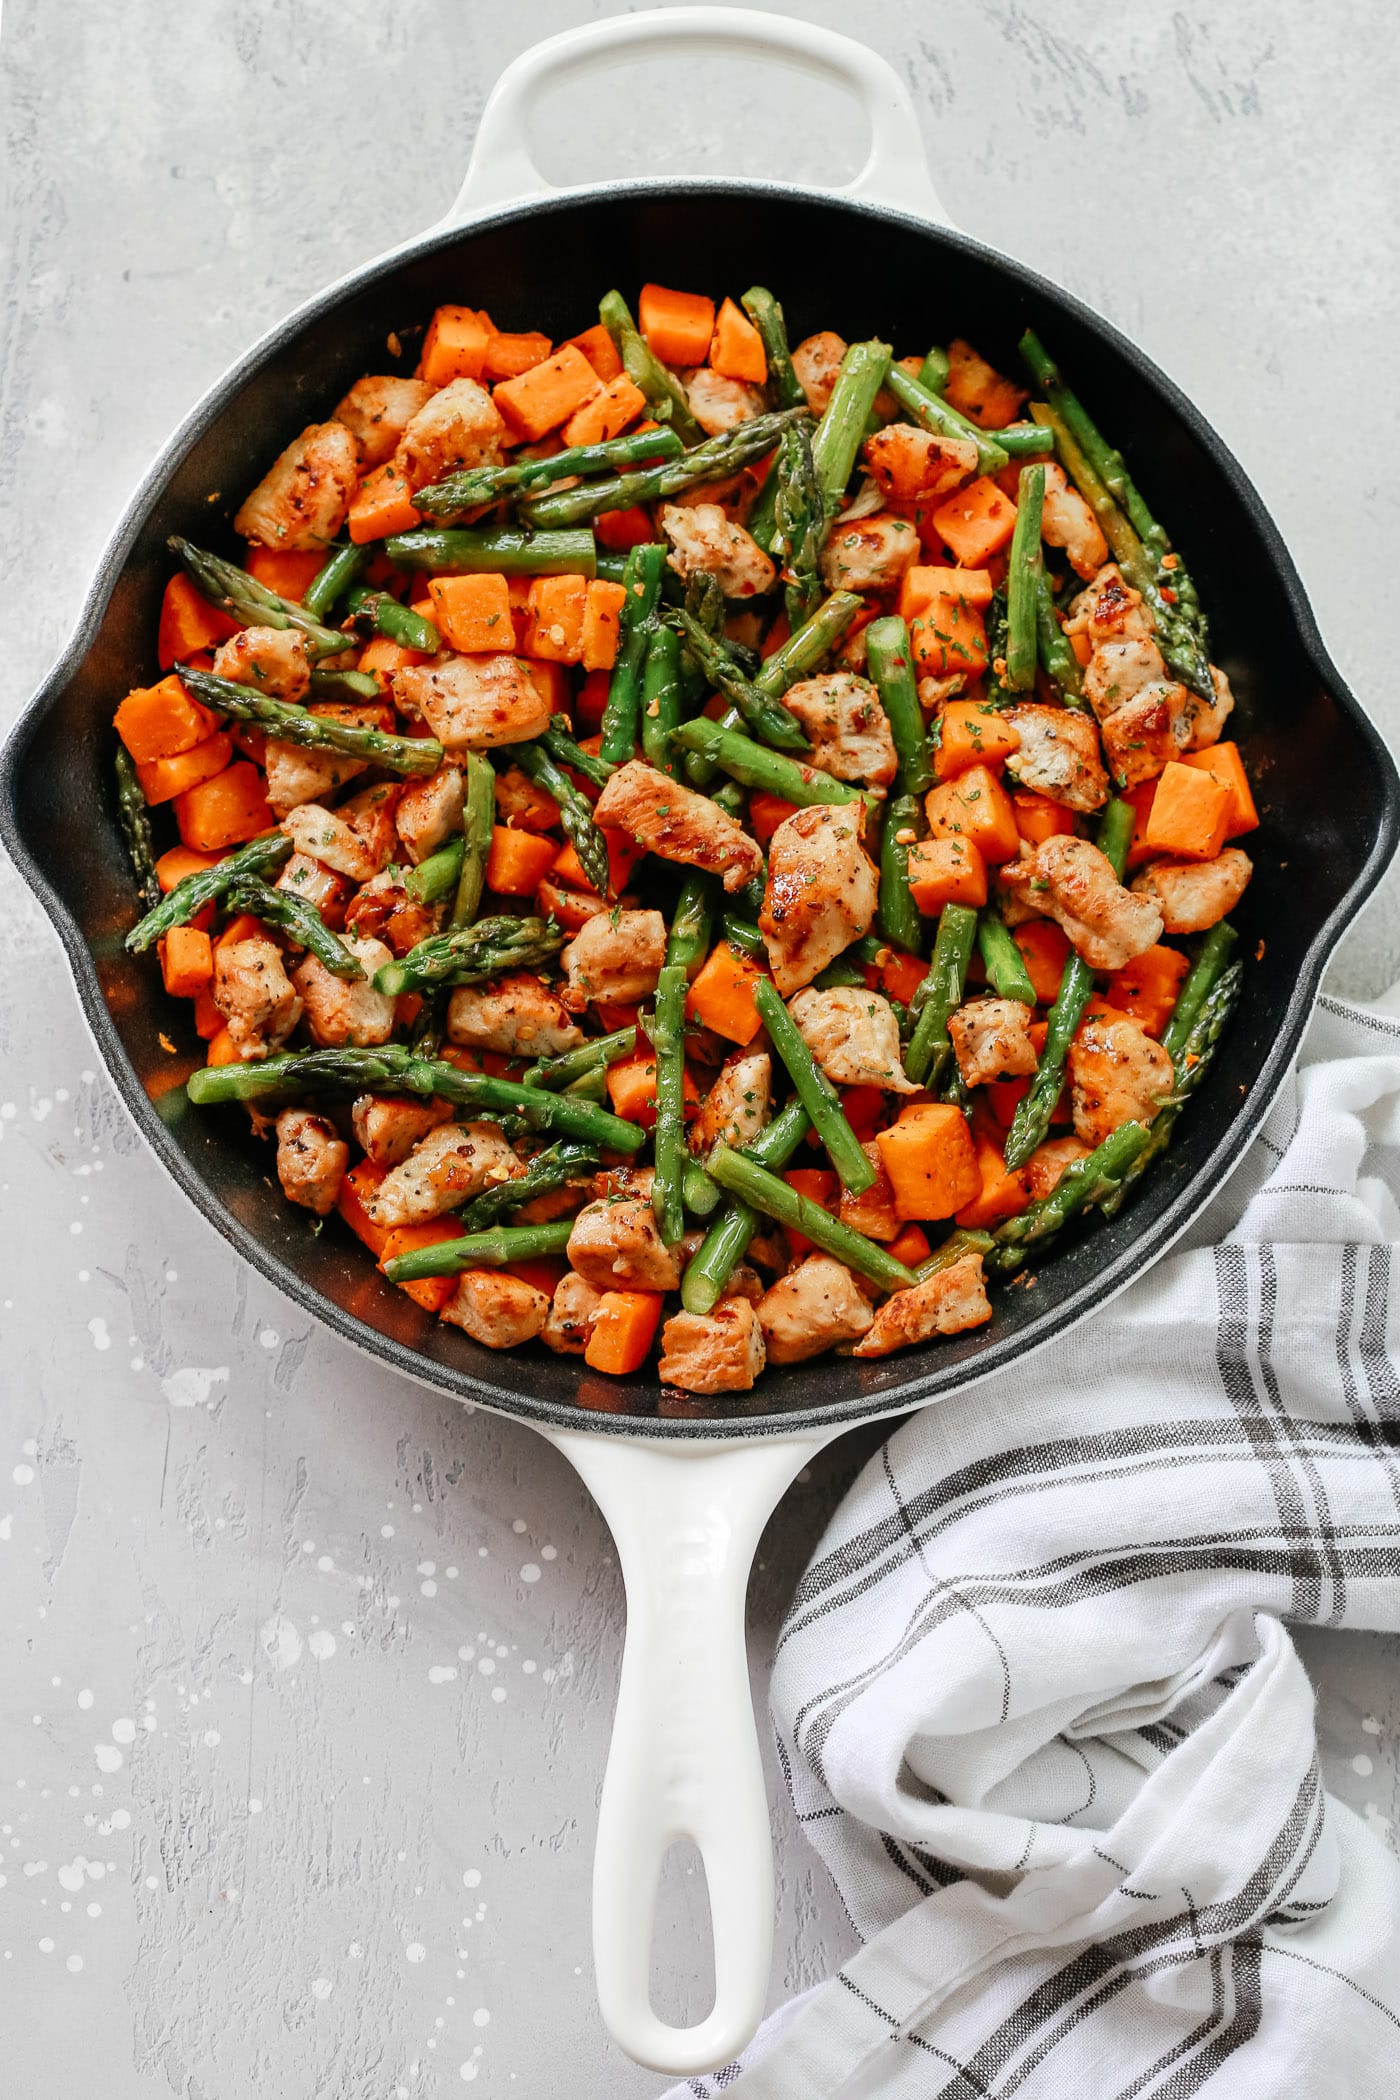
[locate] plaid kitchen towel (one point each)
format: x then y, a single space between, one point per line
1036 1696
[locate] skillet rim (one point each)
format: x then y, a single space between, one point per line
1145 1247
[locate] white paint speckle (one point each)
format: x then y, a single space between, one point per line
269 1337
22 1476
428 1589
97 1328
212 1738
427 1567
1370 1725
254 1805
321 1988
326 1564
441 1673
481 2017
74 1963
85 1699
530 1572
549 1553
498 1693
322 1644
46 1946
123 1731
281 1641
193 1386
467 2074
386 1531
109 1758
471 1879
415 1951
1362 1765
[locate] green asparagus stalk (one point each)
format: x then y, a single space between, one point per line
702 1196
767 718
296 725
478 819
342 567
784 387
188 898
549 1170
809 645
355 686
1057 658
665 395
741 1176
814 1090
667 1030
558 741
933 372
963 1242
863 372
1192 1052
891 661
298 917
714 460
464 550
377 612
396 1068
1085 1183
575 811
661 699
249 602
940 994
471 954
758 767
800 524
1024 576
1199 982
688 942
932 413
437 876
727 1242
135 820
472 488
479 1250
1002 959
594 1056
900 918
744 936
641 579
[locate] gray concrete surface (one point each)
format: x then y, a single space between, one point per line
306 1674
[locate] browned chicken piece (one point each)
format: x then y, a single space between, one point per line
743 1283
301 502
344 1011
272 660
675 823
616 1245
377 412
517 1016
430 812
853 1035
472 703
815 1307
934 691
1110 610
821 892
1192 895
303 877
496 1309
460 426
735 495
516 797
626 1178
386 910
1017 907
1068 522
1208 720
1075 885
992 1040
1042 1171
311 1160
572 1312
1059 756
705 542
1146 733
816 361
945 463
444 1170
333 838
255 996
295 776
1117 671
736 1107
718 1352
388 1128
948 1302
718 403
615 957
1118 1075
846 726
868 554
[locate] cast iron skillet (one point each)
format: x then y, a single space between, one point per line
1326 785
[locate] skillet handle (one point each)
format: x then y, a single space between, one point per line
685 1759
896 172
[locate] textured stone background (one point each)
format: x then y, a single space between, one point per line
306 1674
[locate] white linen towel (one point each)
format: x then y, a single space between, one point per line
1036 1697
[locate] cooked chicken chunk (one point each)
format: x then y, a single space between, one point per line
1117 671
846 726
677 824
1068 522
518 801
272 660
816 361
386 910
517 1015
718 403
311 1160
1110 610
356 840
460 426
949 1301
1207 720
868 554
821 892
377 412
1059 756
496 1309
571 1315
430 812
910 465
815 1307
471 703
1147 732
388 1128
718 1352
1075 885
302 500
854 1037
303 877
703 541
617 962
992 1040
253 993
1192 895
295 776
616 1245
444 1169
736 1107
341 1010
734 494
1118 1074
1047 1163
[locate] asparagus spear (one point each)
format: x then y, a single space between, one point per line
595 1056
767 718
249 602
713 460
1057 658
941 993
685 951
471 954
297 725
756 766
479 1250
396 1068
473 487
296 916
1024 576
737 1172
549 1170
342 567
478 818
135 820
727 1241
377 612
1002 959
188 898
665 394
814 1090
932 413
933 372
892 667
784 387
356 686
809 645
1034 1110
641 579
863 372
437 876
900 918
965 1241
575 811
467 550
800 523
743 935
1095 1180
661 699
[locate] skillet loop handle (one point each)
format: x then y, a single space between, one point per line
896 172
685 1759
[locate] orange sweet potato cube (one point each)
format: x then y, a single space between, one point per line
1190 813
946 871
455 345
554 630
383 504
1223 763
472 613
971 733
975 522
949 635
547 395
607 414
931 1161
602 617
975 806
721 998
